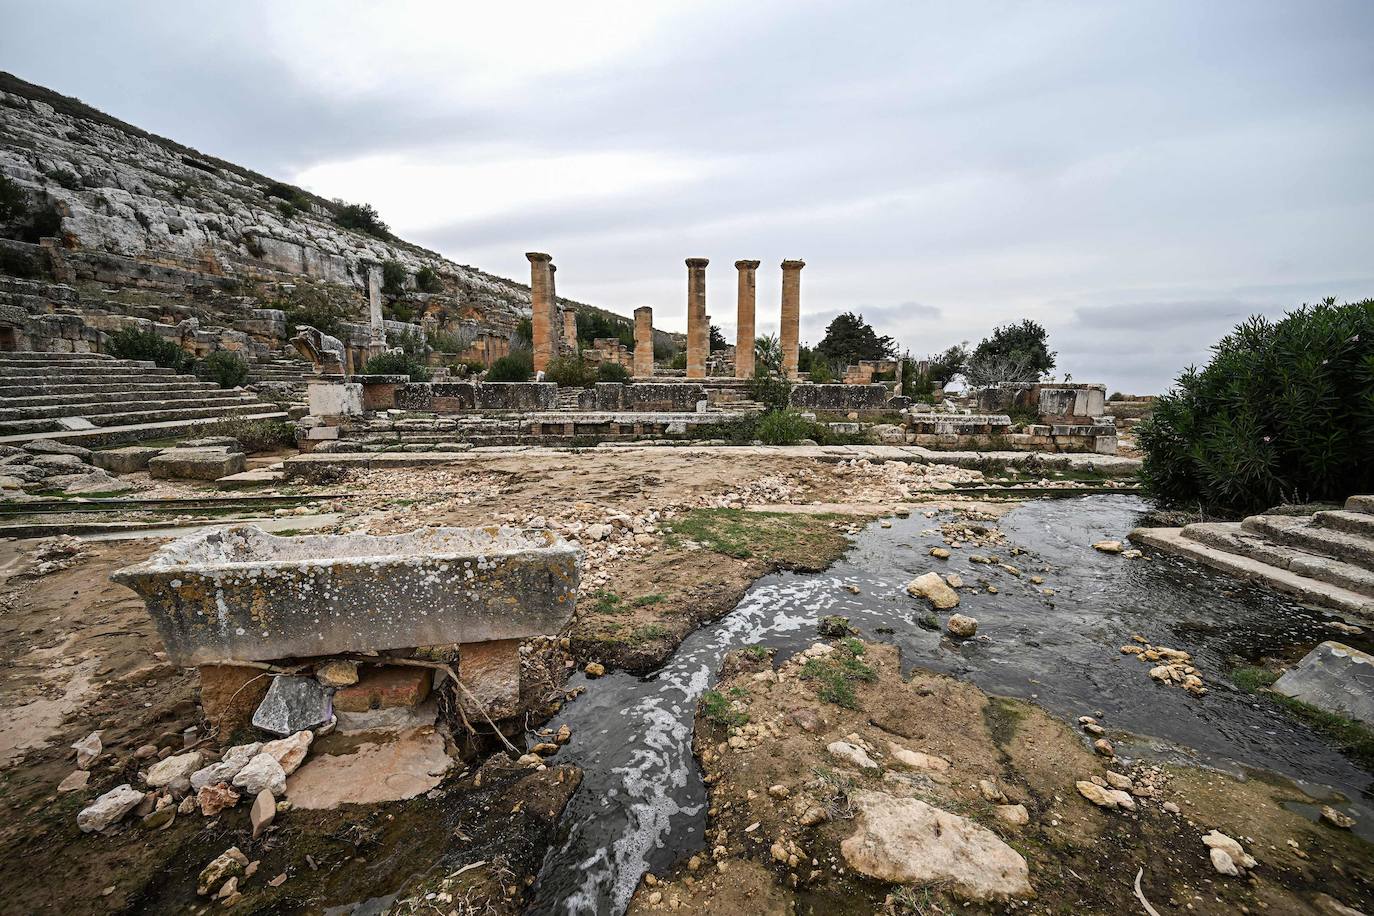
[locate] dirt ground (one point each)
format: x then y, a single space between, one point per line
763 741
81 655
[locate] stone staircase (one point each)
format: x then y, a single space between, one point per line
90 399
1129 410
568 398
1325 559
281 371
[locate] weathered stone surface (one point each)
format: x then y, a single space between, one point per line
108 809
934 589
491 673
338 672
264 810
196 463
849 753
88 749
292 704
385 687
1333 677
917 760
961 625
169 771
125 460
74 781
262 772
906 841
403 766
228 864
241 593
215 797
290 752
1104 797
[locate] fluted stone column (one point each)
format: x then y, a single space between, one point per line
744 320
698 327
644 342
541 304
791 316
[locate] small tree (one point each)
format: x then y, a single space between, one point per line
942 368
226 368
397 364
131 343
515 367
393 278
849 339
1018 348
361 218
612 372
718 342
768 353
569 372
427 281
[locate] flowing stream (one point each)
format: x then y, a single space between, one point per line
642 804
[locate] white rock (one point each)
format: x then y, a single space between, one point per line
1234 851
107 810
961 625
234 760
262 772
87 750
1223 863
290 751
906 841
180 766
843 750
917 760
934 589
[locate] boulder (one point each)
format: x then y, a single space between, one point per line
1104 797
262 772
849 753
197 463
1228 856
934 589
961 626
169 771
108 809
126 460
906 841
227 768
1334 678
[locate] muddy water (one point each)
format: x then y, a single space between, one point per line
642 803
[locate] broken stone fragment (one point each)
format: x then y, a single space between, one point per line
226 769
906 841
262 772
1104 797
214 798
564 735
87 750
289 752
108 809
337 672
843 750
594 669
1015 815
1104 747
961 626
1109 546
263 811
228 864
1234 852
990 791
933 589
939 553
75 780
917 760
174 769
1337 818
292 704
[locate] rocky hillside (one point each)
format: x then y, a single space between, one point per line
204 237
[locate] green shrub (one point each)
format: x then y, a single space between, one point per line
397 364
447 342
524 330
427 281
517 367
784 427
1022 415
679 360
132 343
770 390
612 372
821 373
393 278
361 218
311 306
1284 412
254 435
570 372
225 368
412 341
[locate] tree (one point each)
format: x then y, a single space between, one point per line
717 339
849 339
362 218
393 278
943 367
1013 353
768 353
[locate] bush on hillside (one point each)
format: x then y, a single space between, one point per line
361 218
427 281
132 343
397 364
308 305
226 369
517 367
772 391
1284 412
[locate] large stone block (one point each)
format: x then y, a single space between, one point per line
385 687
125 460
839 397
1333 677
335 399
240 593
491 673
197 463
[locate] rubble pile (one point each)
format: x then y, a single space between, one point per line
1171 667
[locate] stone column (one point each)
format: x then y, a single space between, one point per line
374 310
541 305
570 328
744 320
791 316
644 342
698 328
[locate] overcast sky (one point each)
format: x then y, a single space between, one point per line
1136 176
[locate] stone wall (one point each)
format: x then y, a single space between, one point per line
840 397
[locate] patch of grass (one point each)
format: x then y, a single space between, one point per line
794 541
606 603
756 652
1354 738
648 633
646 600
717 707
836 674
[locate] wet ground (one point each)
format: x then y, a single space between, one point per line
642 803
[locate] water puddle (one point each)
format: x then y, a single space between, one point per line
642 803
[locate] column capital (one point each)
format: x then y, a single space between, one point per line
748 265
793 265
535 256
697 262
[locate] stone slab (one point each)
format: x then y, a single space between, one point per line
197 463
1333 677
239 593
126 460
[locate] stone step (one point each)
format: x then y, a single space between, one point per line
132 384
1233 538
35 356
137 432
1363 504
1312 591
120 394
115 404
1301 532
28 376
1361 523
19 428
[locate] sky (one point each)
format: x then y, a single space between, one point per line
1137 177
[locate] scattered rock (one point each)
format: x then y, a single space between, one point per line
1118 781
990 791
906 841
939 553
917 760
262 772
1337 818
289 752
174 769
961 625
1228 856
1109 546
214 798
264 810
1104 747
292 704
1171 808
934 589
226 769
75 780
228 864
563 736
843 750
1016 815
1104 797
87 750
108 809
337 672
594 669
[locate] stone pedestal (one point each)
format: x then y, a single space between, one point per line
698 325
791 316
377 346
335 399
744 320
541 305
644 342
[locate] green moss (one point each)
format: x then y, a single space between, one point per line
793 540
836 673
716 707
1252 678
1354 738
